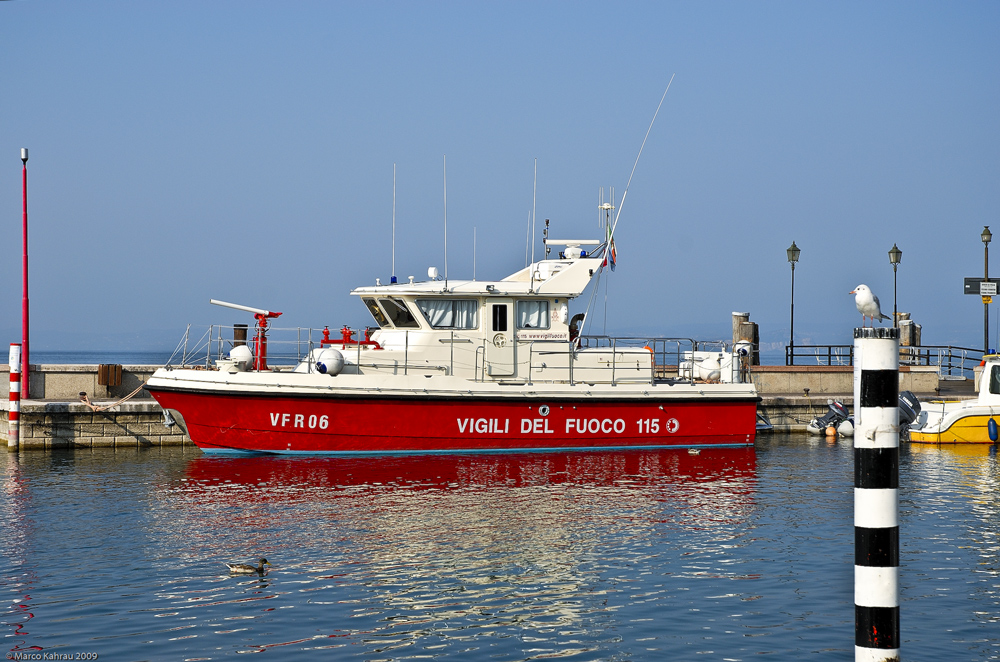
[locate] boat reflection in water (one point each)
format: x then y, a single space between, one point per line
442 549
639 468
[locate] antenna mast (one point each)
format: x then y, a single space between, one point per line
534 195
627 184
445 161
527 239
392 278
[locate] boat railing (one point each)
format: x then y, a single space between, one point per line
951 361
672 359
284 347
288 347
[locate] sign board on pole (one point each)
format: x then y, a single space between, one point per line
982 286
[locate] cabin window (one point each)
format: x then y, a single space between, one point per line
533 314
499 317
995 379
399 314
376 312
450 313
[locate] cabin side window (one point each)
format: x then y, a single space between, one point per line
376 312
450 313
533 314
995 379
399 314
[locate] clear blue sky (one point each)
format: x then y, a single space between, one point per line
243 151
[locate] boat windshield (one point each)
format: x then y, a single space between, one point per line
376 312
399 314
995 380
533 314
450 313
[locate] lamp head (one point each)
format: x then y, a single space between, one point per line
987 236
895 255
793 253
24 155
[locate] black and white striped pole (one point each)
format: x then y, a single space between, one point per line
876 494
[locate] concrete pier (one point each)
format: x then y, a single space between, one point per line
46 425
56 418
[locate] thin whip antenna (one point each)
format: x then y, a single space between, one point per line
534 196
393 279
527 240
473 252
606 306
622 204
445 161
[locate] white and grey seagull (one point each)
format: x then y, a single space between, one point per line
867 304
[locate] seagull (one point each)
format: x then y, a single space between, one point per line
867 304
246 569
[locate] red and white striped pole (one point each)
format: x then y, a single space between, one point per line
25 367
14 412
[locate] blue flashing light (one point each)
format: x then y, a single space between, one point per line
392 280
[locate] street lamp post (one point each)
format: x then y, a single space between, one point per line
895 255
793 256
986 236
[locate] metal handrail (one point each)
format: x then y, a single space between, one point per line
952 361
289 346
816 352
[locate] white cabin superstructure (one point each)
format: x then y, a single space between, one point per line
515 329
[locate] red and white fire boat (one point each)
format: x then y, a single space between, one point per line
465 366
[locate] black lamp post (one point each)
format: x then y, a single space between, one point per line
895 255
986 237
793 257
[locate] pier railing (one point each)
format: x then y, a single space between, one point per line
951 361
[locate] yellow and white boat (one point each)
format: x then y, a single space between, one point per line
963 421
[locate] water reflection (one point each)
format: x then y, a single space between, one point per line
951 498
730 554
14 538
439 552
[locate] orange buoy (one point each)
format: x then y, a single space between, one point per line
831 431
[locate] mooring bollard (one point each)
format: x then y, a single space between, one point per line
14 398
876 494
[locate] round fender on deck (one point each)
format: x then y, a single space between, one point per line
329 362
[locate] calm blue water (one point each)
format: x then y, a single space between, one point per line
726 555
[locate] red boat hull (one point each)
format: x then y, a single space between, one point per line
275 423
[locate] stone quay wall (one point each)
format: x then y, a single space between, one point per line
54 416
132 424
